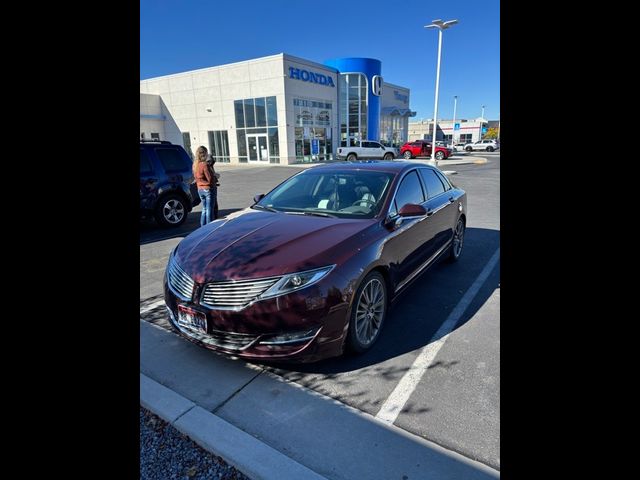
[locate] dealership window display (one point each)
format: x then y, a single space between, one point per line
313 130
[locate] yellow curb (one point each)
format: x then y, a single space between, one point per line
480 162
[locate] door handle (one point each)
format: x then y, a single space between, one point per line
429 213
451 199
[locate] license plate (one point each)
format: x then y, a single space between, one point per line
192 319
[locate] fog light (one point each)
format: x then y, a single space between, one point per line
293 337
296 281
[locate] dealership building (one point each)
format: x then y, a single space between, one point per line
276 110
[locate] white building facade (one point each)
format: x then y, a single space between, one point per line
275 110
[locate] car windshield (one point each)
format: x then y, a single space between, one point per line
335 193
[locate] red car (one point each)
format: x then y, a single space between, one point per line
312 267
422 148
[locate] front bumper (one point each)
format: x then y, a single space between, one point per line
249 333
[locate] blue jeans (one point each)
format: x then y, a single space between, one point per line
207 206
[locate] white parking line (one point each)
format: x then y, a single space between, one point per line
151 306
408 383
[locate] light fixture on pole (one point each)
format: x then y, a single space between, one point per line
453 133
440 25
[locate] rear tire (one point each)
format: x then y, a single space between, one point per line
352 157
489 149
388 156
457 242
469 149
367 313
171 210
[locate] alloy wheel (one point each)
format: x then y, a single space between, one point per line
370 311
173 211
458 238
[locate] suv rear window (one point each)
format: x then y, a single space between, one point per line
172 160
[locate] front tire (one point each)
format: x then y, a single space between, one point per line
388 156
368 313
489 149
407 155
171 211
352 157
457 242
439 155
469 149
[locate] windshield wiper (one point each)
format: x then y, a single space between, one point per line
319 214
262 207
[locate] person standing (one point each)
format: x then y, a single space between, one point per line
214 188
205 179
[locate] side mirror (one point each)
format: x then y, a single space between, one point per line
412 210
258 197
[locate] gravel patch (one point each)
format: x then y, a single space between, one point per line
167 454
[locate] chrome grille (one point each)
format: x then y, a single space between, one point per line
179 282
235 295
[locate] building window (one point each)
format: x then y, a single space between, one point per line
186 143
353 108
393 130
313 130
466 138
448 138
253 115
219 145
155 136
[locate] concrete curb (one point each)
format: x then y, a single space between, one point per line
252 457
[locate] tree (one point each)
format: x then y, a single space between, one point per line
491 133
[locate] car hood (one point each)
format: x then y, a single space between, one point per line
253 244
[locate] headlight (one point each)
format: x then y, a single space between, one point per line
296 281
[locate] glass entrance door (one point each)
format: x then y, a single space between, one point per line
258 148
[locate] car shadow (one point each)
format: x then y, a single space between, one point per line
151 232
418 313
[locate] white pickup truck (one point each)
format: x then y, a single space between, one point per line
367 149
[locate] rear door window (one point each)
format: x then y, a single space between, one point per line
145 163
432 182
172 160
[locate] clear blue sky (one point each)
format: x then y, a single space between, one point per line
183 35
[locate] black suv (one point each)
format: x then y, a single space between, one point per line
166 191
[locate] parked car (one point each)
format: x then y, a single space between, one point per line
422 148
459 147
312 267
166 191
488 145
367 149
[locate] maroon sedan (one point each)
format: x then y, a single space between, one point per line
312 267
422 148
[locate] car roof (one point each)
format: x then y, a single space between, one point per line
388 166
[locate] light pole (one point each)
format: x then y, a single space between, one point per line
440 25
453 133
481 122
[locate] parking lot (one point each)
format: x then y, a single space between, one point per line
439 350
